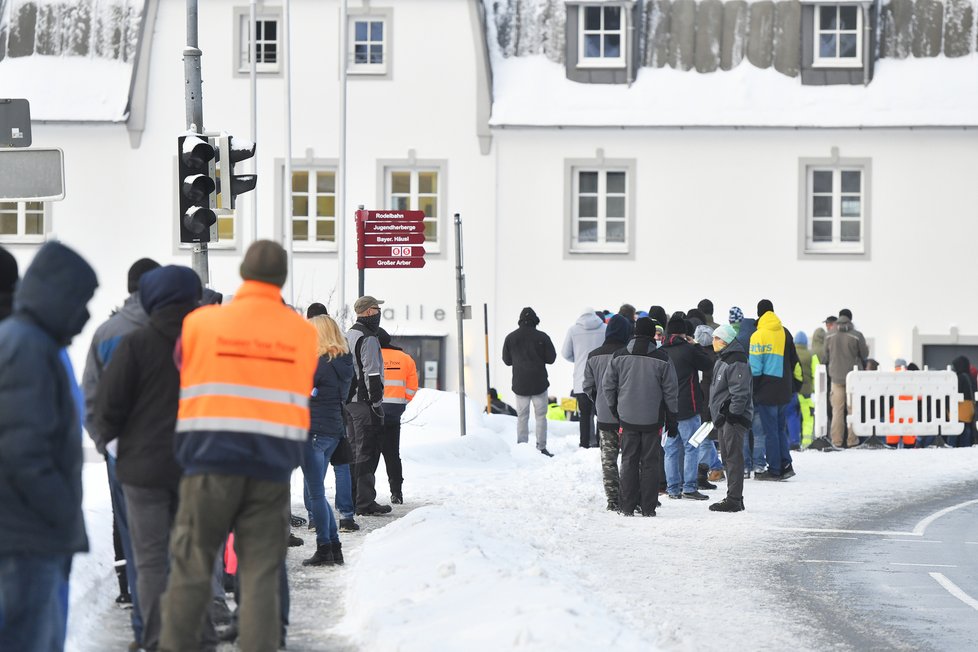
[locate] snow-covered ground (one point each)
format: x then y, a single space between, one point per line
504 548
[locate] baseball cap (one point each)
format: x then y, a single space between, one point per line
365 303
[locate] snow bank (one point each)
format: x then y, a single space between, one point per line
515 550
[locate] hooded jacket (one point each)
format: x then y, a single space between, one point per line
138 398
40 429
640 386
617 335
584 336
730 391
106 338
689 360
529 351
772 361
845 348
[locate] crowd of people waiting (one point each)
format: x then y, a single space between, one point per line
202 412
639 375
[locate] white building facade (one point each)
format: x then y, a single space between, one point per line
598 153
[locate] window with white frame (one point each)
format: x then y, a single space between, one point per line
838 36
314 208
836 201
266 32
368 41
22 221
600 210
417 189
601 36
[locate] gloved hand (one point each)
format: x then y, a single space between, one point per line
720 420
741 421
614 412
377 414
672 428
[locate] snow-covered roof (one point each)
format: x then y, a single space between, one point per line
937 91
71 59
913 83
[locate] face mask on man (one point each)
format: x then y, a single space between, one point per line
370 321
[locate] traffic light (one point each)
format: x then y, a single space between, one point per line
234 150
195 156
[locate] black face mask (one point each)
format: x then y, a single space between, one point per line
372 322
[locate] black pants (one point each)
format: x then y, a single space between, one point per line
641 463
732 453
364 431
586 409
390 448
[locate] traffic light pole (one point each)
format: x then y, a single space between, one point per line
195 116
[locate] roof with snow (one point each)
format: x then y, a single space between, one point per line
924 68
73 60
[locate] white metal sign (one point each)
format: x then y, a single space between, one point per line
32 174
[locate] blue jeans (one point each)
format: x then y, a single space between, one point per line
122 524
679 452
319 448
709 456
33 602
775 432
757 462
344 490
344 493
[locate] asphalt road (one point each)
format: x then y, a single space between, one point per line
901 579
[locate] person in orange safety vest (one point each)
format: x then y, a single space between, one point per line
400 385
245 380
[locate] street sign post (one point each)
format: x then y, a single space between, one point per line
15 123
32 174
389 239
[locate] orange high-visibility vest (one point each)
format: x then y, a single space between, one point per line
247 367
400 376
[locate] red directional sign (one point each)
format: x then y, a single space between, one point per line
396 251
392 263
393 239
393 226
409 216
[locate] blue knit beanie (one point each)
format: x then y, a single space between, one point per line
801 338
736 315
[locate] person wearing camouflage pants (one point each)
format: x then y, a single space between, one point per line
617 334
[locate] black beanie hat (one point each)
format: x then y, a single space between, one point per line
9 272
645 327
658 313
706 306
528 317
763 306
316 309
265 262
137 270
676 326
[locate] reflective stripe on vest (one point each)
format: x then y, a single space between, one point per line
398 401
244 391
393 383
248 426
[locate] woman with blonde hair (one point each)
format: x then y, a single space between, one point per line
331 386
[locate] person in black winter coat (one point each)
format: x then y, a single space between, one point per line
962 367
136 402
641 390
617 334
9 274
41 524
528 351
682 457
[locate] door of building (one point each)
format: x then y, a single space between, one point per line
428 352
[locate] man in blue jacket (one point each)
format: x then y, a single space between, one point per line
41 525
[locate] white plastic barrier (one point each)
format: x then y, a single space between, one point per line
820 395
903 403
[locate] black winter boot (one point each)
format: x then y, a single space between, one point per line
323 557
337 551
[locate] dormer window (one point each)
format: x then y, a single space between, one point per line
838 36
601 41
